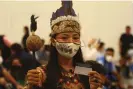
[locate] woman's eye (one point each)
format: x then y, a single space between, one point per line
64 38
76 38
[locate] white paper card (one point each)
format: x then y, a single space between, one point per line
82 70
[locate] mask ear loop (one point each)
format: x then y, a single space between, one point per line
82 43
78 44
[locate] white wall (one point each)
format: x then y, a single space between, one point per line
104 20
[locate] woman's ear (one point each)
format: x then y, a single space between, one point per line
53 41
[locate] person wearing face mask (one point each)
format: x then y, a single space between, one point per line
113 78
65 53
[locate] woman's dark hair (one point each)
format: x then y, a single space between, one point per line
53 68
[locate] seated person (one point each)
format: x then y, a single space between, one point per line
5 76
17 70
112 75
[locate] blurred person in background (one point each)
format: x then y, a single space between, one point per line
95 49
5 49
43 54
126 41
130 61
113 77
26 35
17 70
6 78
100 49
126 66
126 70
25 58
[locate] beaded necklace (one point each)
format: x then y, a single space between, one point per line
69 80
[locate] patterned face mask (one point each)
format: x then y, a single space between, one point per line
67 50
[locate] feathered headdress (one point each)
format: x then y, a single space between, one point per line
65 19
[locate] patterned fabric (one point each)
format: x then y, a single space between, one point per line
69 80
66 26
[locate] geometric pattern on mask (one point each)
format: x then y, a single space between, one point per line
64 48
67 49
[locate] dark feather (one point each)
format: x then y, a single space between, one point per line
65 10
33 26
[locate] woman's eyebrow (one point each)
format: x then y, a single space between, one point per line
75 34
65 34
